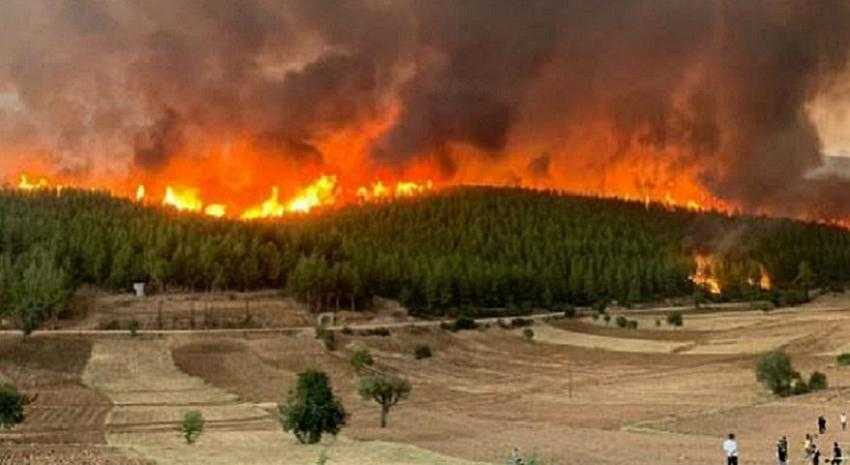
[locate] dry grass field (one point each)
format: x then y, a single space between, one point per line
580 392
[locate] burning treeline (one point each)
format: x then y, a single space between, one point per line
716 275
703 103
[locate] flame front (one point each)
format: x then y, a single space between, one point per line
24 183
183 199
704 276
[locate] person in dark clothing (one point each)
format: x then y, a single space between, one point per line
816 456
837 454
782 451
822 424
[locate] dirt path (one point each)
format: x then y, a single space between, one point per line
150 395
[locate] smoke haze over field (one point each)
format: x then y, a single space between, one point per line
708 100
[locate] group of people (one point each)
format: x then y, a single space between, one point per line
811 453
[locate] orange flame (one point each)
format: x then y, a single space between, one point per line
215 209
140 193
321 192
183 199
703 275
25 184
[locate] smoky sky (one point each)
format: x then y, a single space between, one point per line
719 85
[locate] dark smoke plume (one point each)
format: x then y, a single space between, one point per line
720 85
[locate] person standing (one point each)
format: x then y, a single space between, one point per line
822 424
782 451
843 421
837 454
815 455
730 446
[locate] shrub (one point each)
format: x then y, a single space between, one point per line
607 319
361 359
192 426
464 323
843 359
632 324
622 321
657 322
600 306
11 406
521 322
386 390
383 332
774 370
799 386
347 331
528 334
422 351
133 326
570 312
675 319
595 316
311 408
817 381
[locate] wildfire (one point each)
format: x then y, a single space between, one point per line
24 183
764 282
704 276
140 193
183 199
216 209
379 191
321 192
409 189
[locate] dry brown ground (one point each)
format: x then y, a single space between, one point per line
657 395
650 396
209 310
65 425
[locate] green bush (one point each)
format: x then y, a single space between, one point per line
607 319
817 381
622 321
843 359
675 319
570 312
11 406
422 351
464 323
311 409
632 324
775 371
361 359
192 426
528 334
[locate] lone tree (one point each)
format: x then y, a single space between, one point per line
193 426
12 405
386 390
774 370
311 409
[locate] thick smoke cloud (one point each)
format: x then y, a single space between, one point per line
718 87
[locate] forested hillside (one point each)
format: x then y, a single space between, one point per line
464 247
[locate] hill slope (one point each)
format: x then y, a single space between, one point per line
473 246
